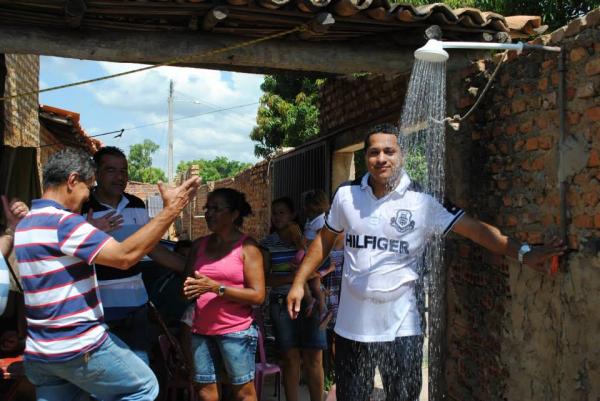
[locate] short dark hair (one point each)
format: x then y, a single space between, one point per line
107 150
64 162
386 128
235 200
317 198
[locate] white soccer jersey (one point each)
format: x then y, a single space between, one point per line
384 240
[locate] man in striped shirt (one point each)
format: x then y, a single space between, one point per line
69 351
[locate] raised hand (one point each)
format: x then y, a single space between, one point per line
13 211
179 197
107 223
539 255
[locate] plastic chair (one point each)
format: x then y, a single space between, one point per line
263 368
174 383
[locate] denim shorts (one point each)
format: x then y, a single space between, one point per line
302 332
225 357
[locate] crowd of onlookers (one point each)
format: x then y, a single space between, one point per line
207 292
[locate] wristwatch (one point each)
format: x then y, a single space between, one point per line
524 249
221 290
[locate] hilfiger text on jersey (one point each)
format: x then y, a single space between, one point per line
375 242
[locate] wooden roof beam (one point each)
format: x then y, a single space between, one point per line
157 47
74 11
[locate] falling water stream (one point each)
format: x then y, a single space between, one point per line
422 134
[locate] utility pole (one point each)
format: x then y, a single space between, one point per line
170 155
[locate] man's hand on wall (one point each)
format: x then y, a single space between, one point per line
539 256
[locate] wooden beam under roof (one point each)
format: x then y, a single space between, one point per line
346 57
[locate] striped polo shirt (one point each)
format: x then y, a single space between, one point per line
54 249
282 255
122 291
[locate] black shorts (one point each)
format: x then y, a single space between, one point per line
399 363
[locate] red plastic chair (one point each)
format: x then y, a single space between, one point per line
174 384
263 368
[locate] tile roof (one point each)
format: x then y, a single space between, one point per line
255 18
64 125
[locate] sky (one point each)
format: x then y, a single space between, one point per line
140 99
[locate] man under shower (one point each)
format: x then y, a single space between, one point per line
387 223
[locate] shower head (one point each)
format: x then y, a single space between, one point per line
432 51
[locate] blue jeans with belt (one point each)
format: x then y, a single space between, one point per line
111 372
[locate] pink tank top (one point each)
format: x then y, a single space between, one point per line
214 314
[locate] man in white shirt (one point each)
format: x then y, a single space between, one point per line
387 224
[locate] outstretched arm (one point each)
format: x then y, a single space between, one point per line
491 238
123 255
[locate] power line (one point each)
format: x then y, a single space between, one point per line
122 130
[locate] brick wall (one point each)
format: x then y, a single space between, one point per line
515 334
254 182
21 123
348 103
142 190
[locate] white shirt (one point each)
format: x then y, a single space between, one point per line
312 227
384 240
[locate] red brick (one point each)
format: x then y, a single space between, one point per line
542 122
526 127
577 54
531 144
548 64
507 200
543 84
597 221
593 113
591 198
583 221
594 159
503 147
518 106
538 164
593 67
526 165
545 142
503 184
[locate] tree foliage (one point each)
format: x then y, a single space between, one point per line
216 169
288 114
140 163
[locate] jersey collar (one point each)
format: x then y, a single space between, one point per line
400 188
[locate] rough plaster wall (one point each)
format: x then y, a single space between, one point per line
515 334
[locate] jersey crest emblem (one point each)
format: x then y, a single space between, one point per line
403 221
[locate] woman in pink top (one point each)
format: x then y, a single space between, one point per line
228 279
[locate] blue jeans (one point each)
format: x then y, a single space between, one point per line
232 354
112 372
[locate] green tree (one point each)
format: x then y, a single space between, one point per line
288 114
216 169
140 163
